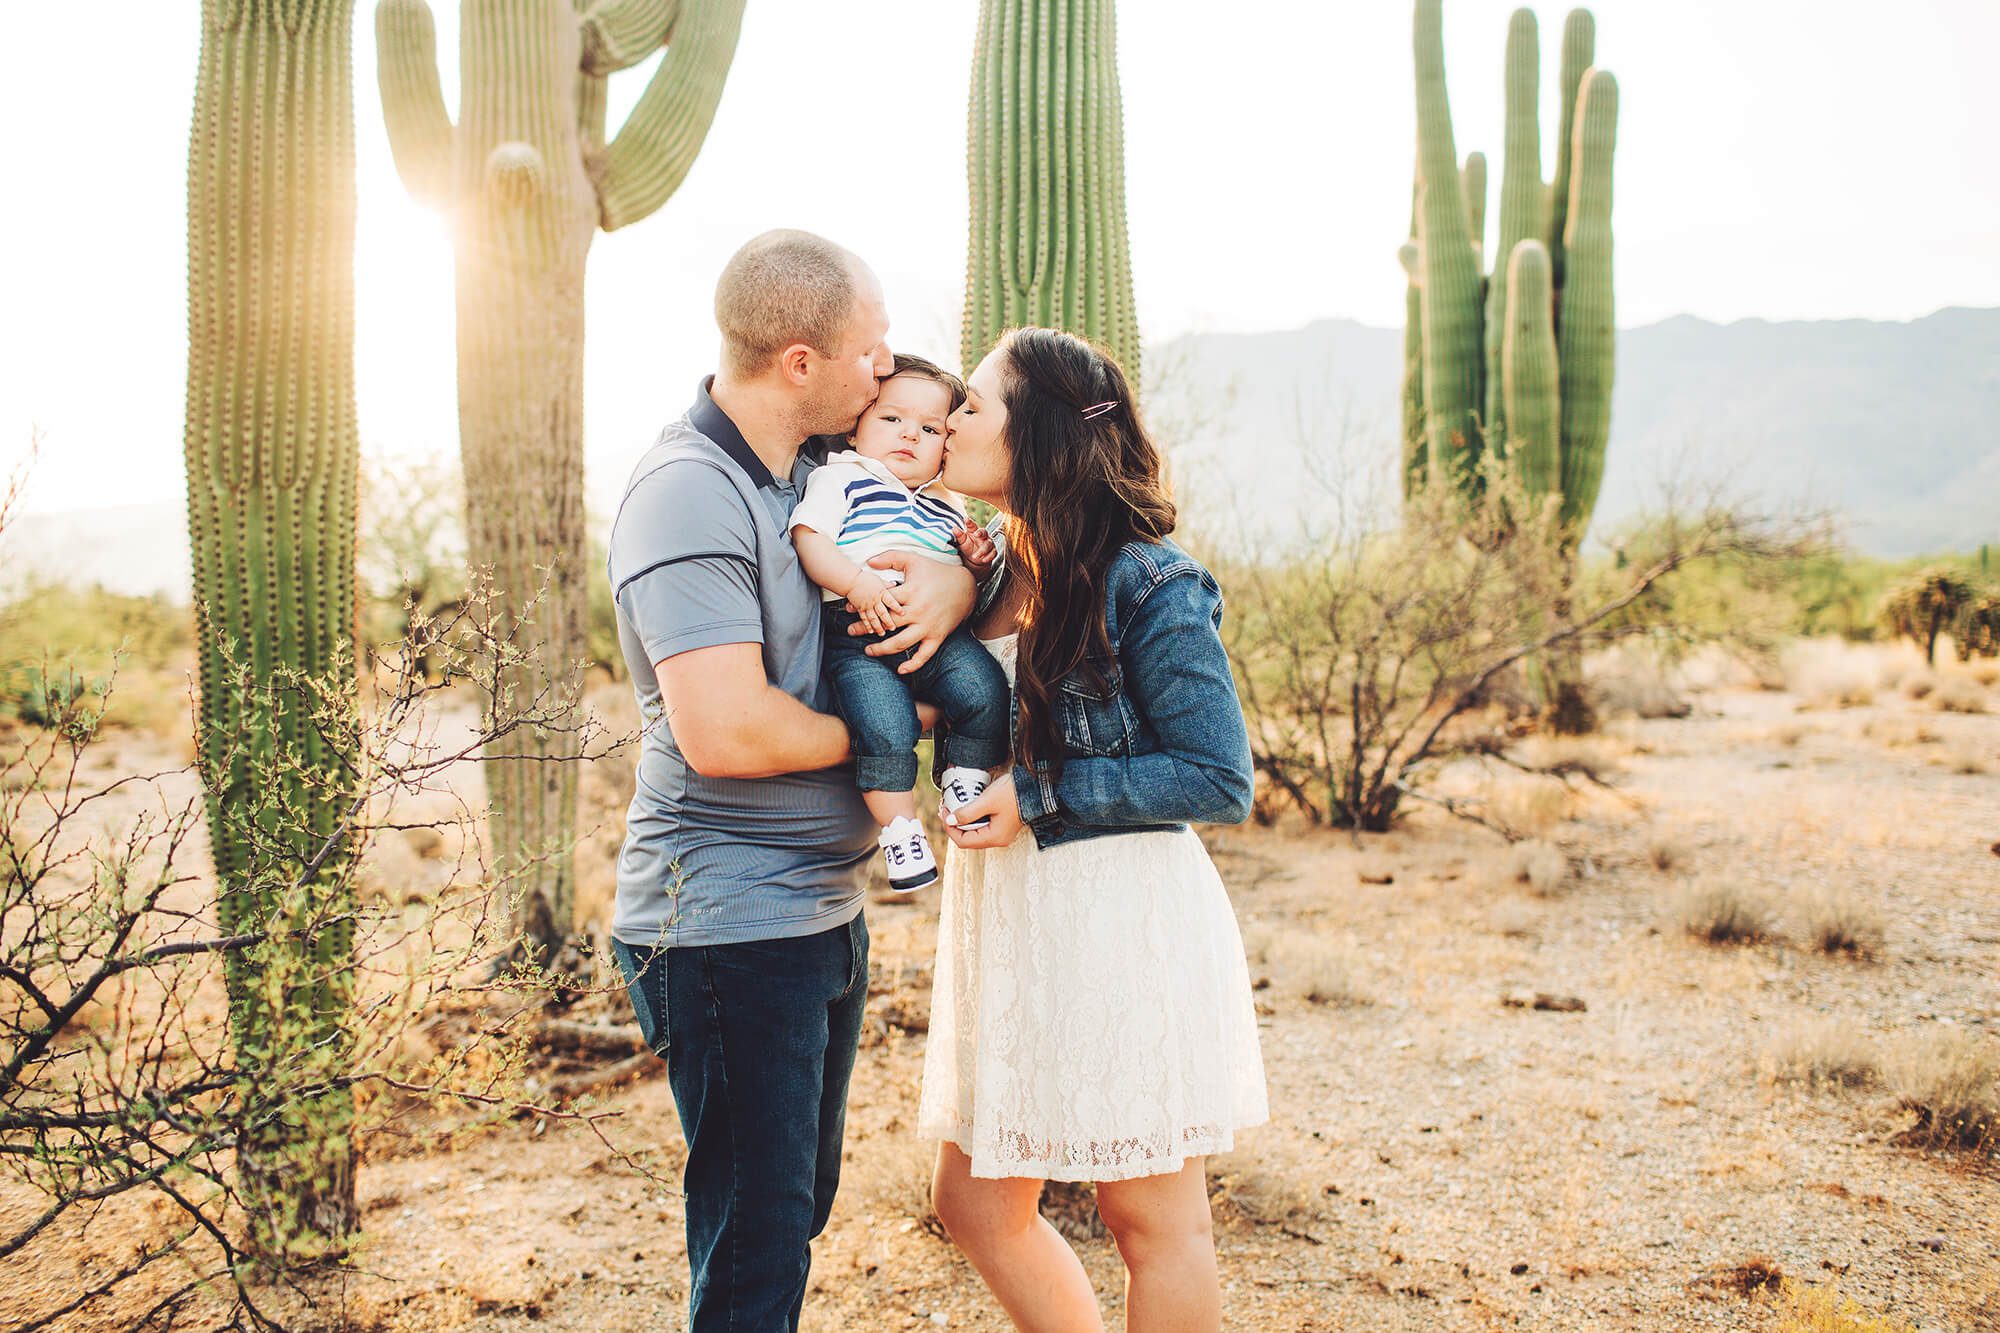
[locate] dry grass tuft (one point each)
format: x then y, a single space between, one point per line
1986 672
1966 759
1788 734
1810 1309
1820 1053
1720 911
1898 732
1919 683
1959 694
1320 970
1527 804
1540 865
1839 922
1664 851
1758 1273
893 1181
1951 1079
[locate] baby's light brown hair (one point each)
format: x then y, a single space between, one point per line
918 368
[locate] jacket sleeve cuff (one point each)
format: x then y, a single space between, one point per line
1036 796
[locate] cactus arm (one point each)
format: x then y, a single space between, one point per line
1586 338
618 34
656 147
1472 180
1453 347
1579 54
420 130
1414 454
1529 376
1523 202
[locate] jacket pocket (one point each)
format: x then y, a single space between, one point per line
1096 718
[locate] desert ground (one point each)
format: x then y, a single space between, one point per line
1509 1087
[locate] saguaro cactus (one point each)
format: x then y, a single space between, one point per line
1046 166
272 470
526 178
1467 327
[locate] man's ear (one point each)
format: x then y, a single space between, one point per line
794 361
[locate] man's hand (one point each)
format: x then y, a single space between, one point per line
935 598
976 548
871 598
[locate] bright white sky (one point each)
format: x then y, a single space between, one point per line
1777 158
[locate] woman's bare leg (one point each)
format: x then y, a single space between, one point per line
1162 1227
1033 1272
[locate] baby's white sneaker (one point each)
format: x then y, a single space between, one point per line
908 854
960 787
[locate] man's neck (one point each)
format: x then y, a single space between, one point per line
766 419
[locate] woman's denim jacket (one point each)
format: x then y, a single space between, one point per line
1160 741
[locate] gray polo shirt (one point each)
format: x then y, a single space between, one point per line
701 555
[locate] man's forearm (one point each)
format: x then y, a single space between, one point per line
777 735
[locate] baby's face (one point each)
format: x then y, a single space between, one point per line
905 429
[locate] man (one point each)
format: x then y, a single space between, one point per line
738 925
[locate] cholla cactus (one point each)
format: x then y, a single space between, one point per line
527 177
272 469
1455 394
1046 166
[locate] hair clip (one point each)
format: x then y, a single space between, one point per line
1096 410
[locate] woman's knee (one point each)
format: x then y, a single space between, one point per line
1157 1213
975 1211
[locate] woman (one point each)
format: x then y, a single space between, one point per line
1091 1016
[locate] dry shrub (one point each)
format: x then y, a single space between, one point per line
1918 683
1986 673
1967 759
891 1178
1829 673
1664 851
1959 694
1593 757
1721 911
1951 1079
1838 921
1320 970
1809 1309
1787 734
1821 1053
1897 732
1525 804
1540 865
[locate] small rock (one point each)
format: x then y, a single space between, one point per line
1932 1243
940 1318
1560 1004
1518 1269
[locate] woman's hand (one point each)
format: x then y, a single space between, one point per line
935 598
997 806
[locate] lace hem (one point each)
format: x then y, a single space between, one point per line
1018 1155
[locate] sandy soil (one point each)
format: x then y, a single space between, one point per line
1436 1159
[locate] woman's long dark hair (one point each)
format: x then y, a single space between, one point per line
1085 481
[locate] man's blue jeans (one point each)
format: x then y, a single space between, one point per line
961 678
759 1040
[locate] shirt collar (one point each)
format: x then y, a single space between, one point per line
879 470
713 422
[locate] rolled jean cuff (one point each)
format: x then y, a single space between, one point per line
973 751
891 772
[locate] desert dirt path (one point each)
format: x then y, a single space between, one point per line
1435 1160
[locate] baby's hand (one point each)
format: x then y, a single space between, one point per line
975 547
874 601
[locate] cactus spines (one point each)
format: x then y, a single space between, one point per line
272 455
1587 341
1453 352
526 178
1528 371
1046 169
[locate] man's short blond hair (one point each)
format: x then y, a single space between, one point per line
783 287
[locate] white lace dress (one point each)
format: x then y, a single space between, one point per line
1091 1015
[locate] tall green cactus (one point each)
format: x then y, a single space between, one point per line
526 178
1461 354
272 454
1046 167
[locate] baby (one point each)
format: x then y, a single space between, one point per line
877 496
